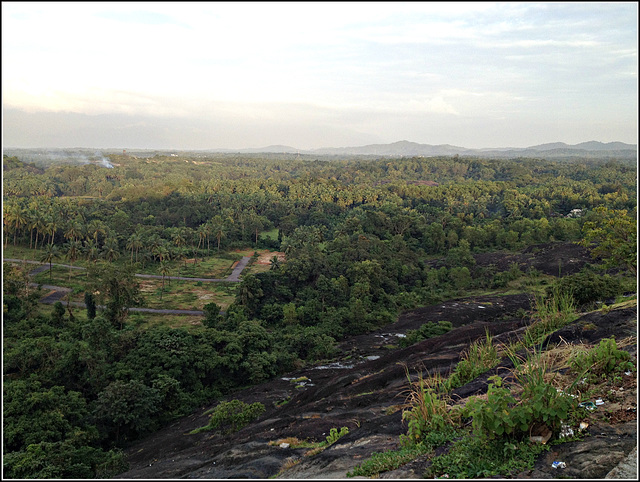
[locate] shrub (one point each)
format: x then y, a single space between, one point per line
428 410
586 287
231 416
427 330
384 461
480 357
334 435
474 457
551 312
540 402
603 359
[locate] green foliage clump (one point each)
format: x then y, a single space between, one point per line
611 234
428 411
587 287
552 312
475 457
481 356
503 414
335 435
229 417
427 330
602 360
385 461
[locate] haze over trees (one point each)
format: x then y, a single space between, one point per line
363 239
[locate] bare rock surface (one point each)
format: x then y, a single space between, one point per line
365 389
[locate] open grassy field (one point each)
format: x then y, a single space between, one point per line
177 294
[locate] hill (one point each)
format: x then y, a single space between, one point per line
366 390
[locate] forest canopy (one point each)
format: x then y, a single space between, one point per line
363 239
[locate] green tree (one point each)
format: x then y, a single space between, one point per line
612 236
117 289
50 253
128 408
90 304
73 248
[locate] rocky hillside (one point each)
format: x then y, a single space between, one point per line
366 390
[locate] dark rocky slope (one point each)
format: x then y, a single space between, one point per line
365 393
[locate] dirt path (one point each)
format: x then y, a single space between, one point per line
234 277
58 292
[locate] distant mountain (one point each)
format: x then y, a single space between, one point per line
552 150
273 149
400 148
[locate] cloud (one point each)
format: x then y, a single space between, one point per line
303 67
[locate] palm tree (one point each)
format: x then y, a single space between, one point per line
218 229
164 271
72 249
275 263
15 219
202 235
6 221
110 250
52 227
91 252
51 252
208 230
31 219
38 223
74 230
95 228
161 252
153 242
134 243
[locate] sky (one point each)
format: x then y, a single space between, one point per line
208 75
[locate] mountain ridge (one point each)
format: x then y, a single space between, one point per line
409 148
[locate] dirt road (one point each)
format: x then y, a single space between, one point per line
58 292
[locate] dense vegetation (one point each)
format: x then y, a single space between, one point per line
363 240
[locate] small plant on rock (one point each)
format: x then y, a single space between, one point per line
427 330
602 360
481 356
231 416
429 410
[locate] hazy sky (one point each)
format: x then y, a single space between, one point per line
308 75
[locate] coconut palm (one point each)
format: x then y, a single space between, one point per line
164 271
95 228
91 252
52 227
74 230
110 250
15 220
134 243
202 235
72 249
38 224
50 253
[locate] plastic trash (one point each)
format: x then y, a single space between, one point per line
559 465
565 431
284 445
583 426
599 401
587 405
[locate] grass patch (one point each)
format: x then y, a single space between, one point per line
229 417
482 355
474 457
185 295
385 461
